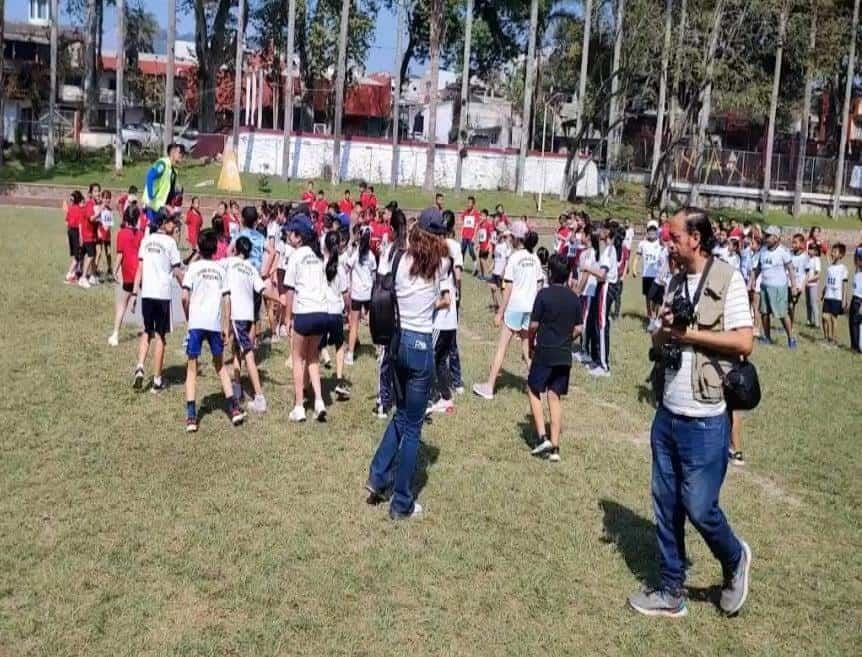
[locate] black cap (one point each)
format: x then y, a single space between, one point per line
431 220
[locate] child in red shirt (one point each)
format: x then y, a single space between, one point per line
87 230
345 205
308 195
194 223
483 237
103 234
74 214
128 244
469 218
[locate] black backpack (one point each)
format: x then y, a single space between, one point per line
383 318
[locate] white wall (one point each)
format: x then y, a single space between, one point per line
372 162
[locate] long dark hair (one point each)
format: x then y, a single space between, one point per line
312 242
398 222
530 240
364 244
427 251
330 242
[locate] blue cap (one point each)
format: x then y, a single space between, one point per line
431 220
301 224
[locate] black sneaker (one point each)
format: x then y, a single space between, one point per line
139 378
237 415
542 448
736 458
158 387
375 496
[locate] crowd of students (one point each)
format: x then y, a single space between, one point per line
307 269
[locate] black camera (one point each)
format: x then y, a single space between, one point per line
668 355
682 310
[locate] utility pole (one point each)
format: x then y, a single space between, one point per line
435 16
52 92
339 92
528 97
465 96
169 83
396 100
2 83
120 88
288 91
845 115
773 105
806 113
238 72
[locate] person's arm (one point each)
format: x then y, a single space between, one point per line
443 301
791 276
186 302
119 264
136 286
153 174
634 261
844 303
599 272
736 342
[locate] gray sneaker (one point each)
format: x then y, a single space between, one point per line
259 404
654 602
735 589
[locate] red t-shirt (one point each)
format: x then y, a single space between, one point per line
486 229
468 224
87 226
229 220
504 218
102 232
379 230
345 206
308 197
194 221
664 232
128 243
74 214
368 200
121 202
563 233
736 232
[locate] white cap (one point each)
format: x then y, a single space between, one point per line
652 224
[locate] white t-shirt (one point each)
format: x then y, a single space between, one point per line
836 275
650 253
273 231
206 282
305 275
733 260
588 257
664 272
678 395
799 262
857 284
243 280
159 255
813 271
772 263
608 261
446 319
417 297
721 252
524 272
361 275
629 238
501 254
335 291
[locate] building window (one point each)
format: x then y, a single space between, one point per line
39 11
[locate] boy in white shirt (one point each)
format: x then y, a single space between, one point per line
812 284
159 262
834 293
650 252
598 324
204 288
773 264
243 282
799 262
855 312
502 251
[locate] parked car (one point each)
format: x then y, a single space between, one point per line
148 136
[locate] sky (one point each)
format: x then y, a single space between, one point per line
380 57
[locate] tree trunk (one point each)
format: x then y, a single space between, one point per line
120 87
806 113
436 19
208 66
91 81
169 81
238 73
706 101
339 92
528 97
845 111
773 104
613 137
582 91
52 91
662 91
396 100
465 96
288 90
677 65
2 81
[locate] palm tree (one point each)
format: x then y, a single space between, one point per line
288 90
121 87
238 72
773 103
52 92
528 96
806 112
435 16
339 91
169 82
845 111
465 92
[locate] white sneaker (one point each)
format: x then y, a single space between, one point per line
542 448
320 411
599 371
259 404
483 390
84 283
282 331
379 412
459 390
415 513
113 340
580 357
443 406
297 414
93 280
348 358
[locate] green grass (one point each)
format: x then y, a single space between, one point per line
121 535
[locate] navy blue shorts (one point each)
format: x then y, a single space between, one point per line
334 334
242 336
196 342
833 307
310 323
543 378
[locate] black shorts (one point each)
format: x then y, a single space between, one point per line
242 336
543 378
334 334
74 242
258 298
496 281
646 285
128 287
656 294
310 324
484 254
833 307
89 249
356 306
157 316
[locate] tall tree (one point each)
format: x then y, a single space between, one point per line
615 109
773 103
213 40
339 91
677 64
396 100
2 81
845 110
435 29
239 72
662 93
464 100
119 93
288 89
52 91
92 63
171 71
805 111
528 97
582 93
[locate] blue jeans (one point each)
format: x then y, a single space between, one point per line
689 461
394 463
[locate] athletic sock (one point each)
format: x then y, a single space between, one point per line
237 390
139 366
157 380
191 411
230 402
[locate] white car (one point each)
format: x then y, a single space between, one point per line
141 136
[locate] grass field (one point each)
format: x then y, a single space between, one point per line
121 535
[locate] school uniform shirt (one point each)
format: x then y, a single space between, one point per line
664 270
362 273
309 198
557 310
321 207
381 233
721 252
128 244
746 263
335 291
678 393
608 262
857 284
258 244
483 235
273 231
446 319
74 216
206 282
588 257
799 262
836 276
561 237
106 222
524 273
468 224
813 270
629 238
417 297
158 255
345 206
772 263
650 253
501 255
87 225
243 280
306 277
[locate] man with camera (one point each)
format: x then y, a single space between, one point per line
706 329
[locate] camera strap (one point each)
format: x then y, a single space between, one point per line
700 285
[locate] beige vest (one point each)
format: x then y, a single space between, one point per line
706 382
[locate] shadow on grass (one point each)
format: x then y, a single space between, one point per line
428 455
636 316
507 379
527 431
635 539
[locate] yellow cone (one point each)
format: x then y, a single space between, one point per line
229 180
